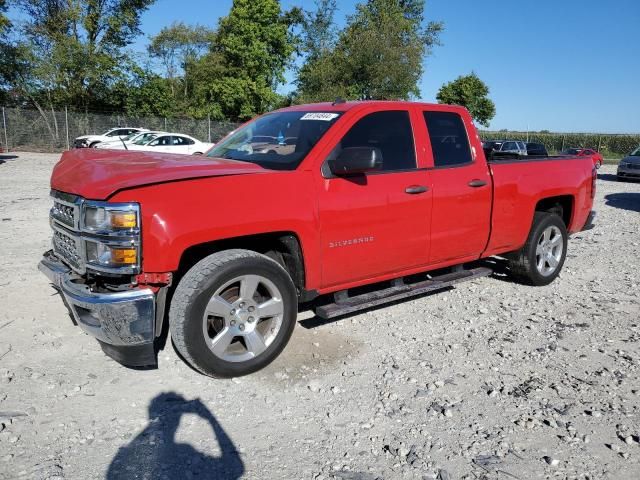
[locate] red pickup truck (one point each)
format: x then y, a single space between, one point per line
336 207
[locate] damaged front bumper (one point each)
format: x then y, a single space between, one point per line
122 322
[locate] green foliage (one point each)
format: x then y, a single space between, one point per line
178 47
319 29
75 49
6 51
472 93
4 21
251 49
378 55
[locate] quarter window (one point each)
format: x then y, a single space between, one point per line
390 131
448 136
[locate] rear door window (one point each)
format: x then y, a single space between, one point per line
449 141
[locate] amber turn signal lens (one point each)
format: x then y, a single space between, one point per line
123 220
123 256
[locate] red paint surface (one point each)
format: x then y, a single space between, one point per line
351 232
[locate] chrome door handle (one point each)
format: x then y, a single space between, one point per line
475 183
415 189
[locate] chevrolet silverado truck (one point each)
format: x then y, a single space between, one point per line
336 207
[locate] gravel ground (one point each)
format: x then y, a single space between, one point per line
490 380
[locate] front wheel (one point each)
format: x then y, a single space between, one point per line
540 260
233 313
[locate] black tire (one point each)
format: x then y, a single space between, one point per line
193 293
522 264
94 145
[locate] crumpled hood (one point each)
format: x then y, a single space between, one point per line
98 174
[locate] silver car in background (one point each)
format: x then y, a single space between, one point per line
629 166
506 146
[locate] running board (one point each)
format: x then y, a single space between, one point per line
345 304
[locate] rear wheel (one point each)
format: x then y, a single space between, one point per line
541 259
233 313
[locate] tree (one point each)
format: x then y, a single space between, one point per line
252 47
472 93
378 55
76 48
146 94
177 47
319 30
6 65
4 21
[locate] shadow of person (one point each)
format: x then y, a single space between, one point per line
154 453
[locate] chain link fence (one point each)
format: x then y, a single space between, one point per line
54 131
610 145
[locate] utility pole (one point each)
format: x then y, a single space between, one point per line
209 124
66 124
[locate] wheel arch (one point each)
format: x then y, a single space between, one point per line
284 247
561 205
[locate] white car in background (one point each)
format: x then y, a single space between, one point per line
112 134
174 143
138 138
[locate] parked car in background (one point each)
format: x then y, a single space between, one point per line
174 143
113 134
536 149
505 146
584 152
138 138
629 166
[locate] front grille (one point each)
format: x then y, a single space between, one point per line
65 221
70 235
633 166
69 248
64 213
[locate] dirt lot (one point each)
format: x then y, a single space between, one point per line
490 380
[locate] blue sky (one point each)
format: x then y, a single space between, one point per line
561 65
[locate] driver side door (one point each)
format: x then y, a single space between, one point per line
374 224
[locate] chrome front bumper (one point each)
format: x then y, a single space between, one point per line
123 322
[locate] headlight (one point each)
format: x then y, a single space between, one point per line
112 236
111 218
111 256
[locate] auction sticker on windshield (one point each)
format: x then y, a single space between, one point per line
327 117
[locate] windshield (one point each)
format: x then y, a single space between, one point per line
131 136
145 138
493 145
635 153
278 141
571 151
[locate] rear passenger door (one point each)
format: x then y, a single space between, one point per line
374 224
461 184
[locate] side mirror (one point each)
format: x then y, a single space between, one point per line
355 160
